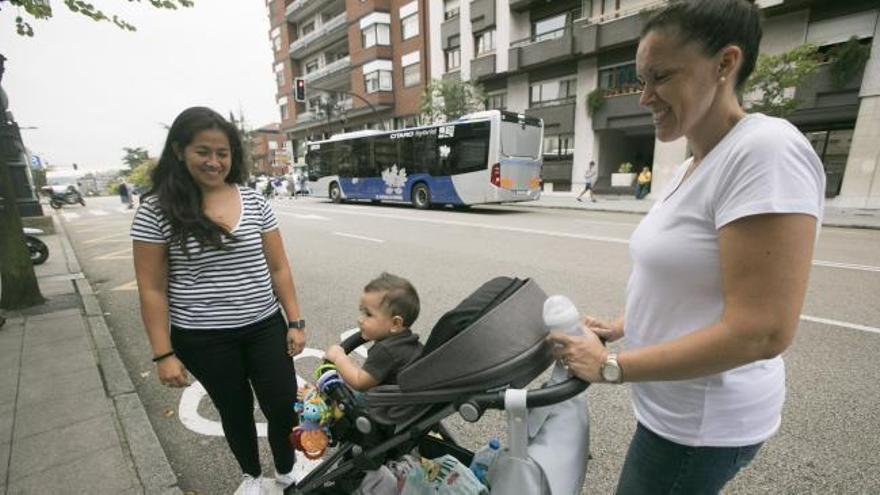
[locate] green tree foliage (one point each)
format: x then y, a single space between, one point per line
445 100
847 60
140 175
134 157
775 76
41 10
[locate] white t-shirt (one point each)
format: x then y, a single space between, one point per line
763 165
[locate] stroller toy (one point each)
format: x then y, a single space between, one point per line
311 436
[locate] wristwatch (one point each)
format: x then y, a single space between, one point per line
298 324
610 369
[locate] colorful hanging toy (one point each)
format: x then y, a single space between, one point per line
316 413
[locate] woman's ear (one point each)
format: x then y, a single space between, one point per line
729 62
177 151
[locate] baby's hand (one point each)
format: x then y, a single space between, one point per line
333 353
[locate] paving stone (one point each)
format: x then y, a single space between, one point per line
8 386
30 455
61 365
50 330
53 288
65 314
38 418
43 351
99 473
6 419
4 462
54 387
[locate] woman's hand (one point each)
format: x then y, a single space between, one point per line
583 355
172 373
296 341
609 331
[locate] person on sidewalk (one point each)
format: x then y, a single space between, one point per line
719 265
643 183
590 177
125 194
211 266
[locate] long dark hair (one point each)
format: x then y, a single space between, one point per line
178 195
714 24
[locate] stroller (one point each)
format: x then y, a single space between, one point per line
478 357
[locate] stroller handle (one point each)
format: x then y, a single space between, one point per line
535 398
353 341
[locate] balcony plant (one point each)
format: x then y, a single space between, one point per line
847 60
595 101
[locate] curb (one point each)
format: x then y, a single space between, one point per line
137 434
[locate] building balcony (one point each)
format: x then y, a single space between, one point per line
328 70
483 66
482 14
543 49
621 111
556 114
332 31
819 100
302 9
521 5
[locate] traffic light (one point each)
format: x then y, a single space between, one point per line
299 89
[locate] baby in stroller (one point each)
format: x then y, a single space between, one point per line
478 356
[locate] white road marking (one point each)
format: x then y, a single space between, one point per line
109 238
353 236
70 216
838 323
122 254
127 286
550 233
305 217
98 213
846 266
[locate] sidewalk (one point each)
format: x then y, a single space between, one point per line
70 419
855 218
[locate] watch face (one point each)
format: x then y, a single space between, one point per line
610 372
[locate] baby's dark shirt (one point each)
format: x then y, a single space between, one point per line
389 355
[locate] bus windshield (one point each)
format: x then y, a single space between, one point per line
522 141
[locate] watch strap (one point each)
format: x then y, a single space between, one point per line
298 324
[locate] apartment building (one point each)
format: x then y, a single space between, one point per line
364 63
269 151
545 58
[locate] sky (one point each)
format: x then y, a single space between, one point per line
92 89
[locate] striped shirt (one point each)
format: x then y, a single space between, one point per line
215 288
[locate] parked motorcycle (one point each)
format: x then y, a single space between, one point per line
69 196
38 249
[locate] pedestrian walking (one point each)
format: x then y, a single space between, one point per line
590 177
125 191
211 266
720 263
643 183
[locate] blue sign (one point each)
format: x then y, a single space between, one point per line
36 162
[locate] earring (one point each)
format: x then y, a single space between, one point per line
722 79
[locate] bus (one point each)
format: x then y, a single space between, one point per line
485 157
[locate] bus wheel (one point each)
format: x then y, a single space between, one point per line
335 193
421 196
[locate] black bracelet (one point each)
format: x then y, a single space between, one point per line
163 356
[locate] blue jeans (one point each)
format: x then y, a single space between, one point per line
655 465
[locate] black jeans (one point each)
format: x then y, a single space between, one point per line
228 362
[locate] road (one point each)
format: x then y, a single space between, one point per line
828 441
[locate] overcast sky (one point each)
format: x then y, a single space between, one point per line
91 88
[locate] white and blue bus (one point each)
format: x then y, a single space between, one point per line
485 157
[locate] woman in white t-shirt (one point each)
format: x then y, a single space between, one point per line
720 263
212 278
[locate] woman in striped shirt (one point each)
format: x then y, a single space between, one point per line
210 265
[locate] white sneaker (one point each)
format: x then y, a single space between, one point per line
250 485
285 480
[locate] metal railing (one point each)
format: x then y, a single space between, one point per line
537 38
324 30
620 14
341 64
294 5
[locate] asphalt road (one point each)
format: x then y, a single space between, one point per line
829 439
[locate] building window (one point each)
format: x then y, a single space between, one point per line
621 78
833 149
485 42
376 34
284 112
379 80
410 26
554 91
314 104
276 43
453 59
412 75
558 147
496 101
311 66
450 9
553 27
307 28
279 78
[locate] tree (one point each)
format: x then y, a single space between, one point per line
140 176
445 100
134 157
775 77
41 10
17 274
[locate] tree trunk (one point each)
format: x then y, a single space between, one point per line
18 282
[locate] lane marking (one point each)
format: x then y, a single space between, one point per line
108 238
127 286
838 323
306 217
846 266
122 254
353 236
550 233
70 216
98 213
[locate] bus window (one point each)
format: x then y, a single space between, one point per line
384 154
470 148
342 159
425 154
520 140
314 163
360 156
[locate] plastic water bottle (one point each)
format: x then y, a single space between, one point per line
561 315
483 458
